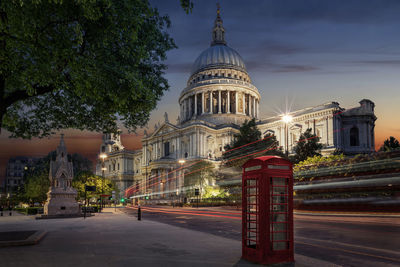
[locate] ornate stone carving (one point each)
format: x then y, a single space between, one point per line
61 198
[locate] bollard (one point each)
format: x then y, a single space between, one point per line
139 213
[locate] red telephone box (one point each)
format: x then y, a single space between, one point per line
267 210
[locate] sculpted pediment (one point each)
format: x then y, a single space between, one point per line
164 129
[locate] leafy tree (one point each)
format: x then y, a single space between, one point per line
200 175
81 164
390 144
248 142
105 186
36 187
215 192
37 176
317 161
307 146
80 64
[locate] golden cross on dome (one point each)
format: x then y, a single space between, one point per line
218 7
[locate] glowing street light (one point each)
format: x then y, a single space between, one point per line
286 118
103 156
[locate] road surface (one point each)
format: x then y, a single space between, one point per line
342 240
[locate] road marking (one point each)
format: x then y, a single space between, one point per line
350 251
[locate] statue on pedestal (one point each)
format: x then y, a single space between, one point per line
61 198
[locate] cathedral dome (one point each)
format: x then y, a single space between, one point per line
218 56
219 89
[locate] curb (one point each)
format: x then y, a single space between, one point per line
31 240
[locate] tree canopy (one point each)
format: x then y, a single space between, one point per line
103 186
390 144
307 146
199 175
80 64
248 144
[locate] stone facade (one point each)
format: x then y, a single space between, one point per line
219 96
61 198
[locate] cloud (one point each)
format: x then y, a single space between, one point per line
391 62
295 68
183 67
279 68
339 11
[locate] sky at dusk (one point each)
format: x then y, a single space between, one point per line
298 54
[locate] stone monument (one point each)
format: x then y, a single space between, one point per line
61 198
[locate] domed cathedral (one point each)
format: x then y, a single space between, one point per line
219 96
219 90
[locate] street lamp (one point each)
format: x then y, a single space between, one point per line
287 119
103 156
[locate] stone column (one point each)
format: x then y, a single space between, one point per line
250 105
258 108
254 106
228 107
195 104
190 107
180 108
202 103
236 102
201 144
219 101
244 104
327 131
197 143
211 102
186 109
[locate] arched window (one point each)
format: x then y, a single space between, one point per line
354 138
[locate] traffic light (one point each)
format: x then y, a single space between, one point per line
147 197
122 200
109 198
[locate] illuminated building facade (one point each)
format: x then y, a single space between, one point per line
219 96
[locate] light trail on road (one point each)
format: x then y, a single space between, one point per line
348 251
315 236
196 211
186 213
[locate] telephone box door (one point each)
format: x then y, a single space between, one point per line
251 216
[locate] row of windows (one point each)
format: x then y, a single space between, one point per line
113 167
219 75
14 182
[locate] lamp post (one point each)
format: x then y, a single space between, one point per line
103 156
181 162
287 119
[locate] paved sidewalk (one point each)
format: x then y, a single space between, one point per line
116 239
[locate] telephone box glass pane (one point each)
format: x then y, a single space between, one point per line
279 212
251 212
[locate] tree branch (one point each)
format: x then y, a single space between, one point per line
22 94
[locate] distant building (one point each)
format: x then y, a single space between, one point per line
219 96
119 164
15 171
